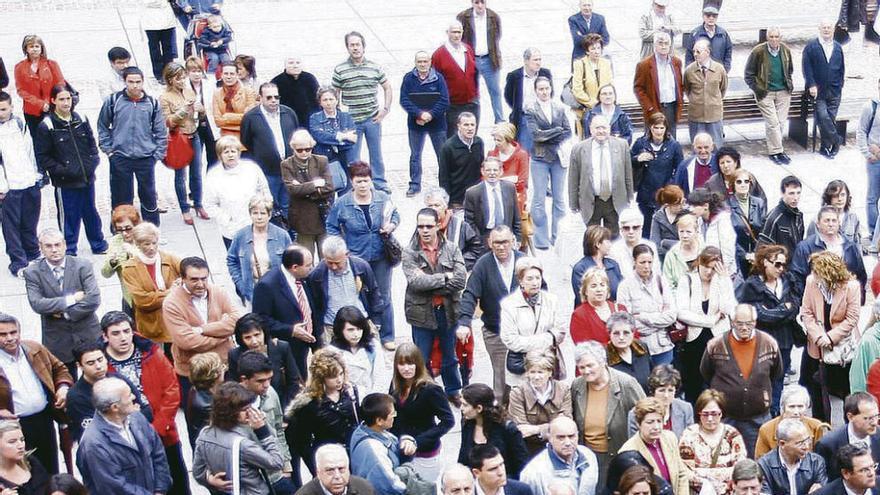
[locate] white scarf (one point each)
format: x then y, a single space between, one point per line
157 261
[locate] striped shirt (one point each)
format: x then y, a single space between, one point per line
358 84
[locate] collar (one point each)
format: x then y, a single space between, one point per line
499 263
465 142
852 437
126 423
529 76
662 59
462 47
344 272
428 247
267 114
579 462
5 356
850 491
772 51
479 489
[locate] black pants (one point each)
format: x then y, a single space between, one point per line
669 110
206 136
179 473
605 214
39 434
691 354
453 113
163 49
19 216
833 379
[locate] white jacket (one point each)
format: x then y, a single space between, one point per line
228 192
523 329
653 306
689 299
366 372
19 167
157 15
720 233
543 470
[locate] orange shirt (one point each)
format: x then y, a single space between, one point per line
743 353
595 421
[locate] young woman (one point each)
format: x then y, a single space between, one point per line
683 253
837 195
19 473
655 155
717 226
484 421
361 351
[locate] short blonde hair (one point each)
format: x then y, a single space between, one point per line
647 406
527 263
205 369
193 62
260 201
505 130
541 358
592 274
227 142
143 231
686 220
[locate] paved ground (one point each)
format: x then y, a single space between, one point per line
78 33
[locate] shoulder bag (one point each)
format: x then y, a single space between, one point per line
678 331
180 151
516 361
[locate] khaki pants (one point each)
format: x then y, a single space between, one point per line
312 243
498 357
774 109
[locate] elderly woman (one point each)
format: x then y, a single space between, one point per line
35 76
206 374
540 399
747 213
795 405
363 217
596 246
658 445
664 384
453 227
683 254
716 226
514 160
121 248
710 448
667 207
722 182
830 315
620 124
625 352
588 319
600 399
530 319
230 188
837 195
591 72
484 421
706 303
334 131
256 248
310 186
231 101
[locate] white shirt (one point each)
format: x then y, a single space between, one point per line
665 80
506 271
491 191
274 121
855 440
547 108
481 35
828 48
28 395
597 171
479 489
529 95
201 305
791 471
458 54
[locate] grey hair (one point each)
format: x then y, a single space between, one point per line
704 137
593 349
145 230
788 427
455 23
661 35
746 469
437 192
329 450
333 245
106 392
49 231
302 136
8 318
620 318
452 470
630 215
794 392
527 54
702 42
751 307
774 29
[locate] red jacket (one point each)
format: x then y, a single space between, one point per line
462 85
35 88
647 91
586 324
160 385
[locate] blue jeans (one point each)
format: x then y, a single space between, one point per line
523 135
382 270
542 173
662 358
215 59
123 171
20 215
424 340
714 129
826 116
779 383
163 49
279 193
490 76
195 178
77 205
373 132
748 428
416 145
873 169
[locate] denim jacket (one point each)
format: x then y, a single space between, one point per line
324 129
346 219
240 257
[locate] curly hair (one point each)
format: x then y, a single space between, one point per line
646 406
590 40
664 375
830 269
635 475
326 363
767 252
205 369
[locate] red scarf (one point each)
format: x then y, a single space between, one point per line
229 93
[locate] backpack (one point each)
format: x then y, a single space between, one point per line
115 97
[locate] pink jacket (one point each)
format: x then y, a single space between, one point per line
845 306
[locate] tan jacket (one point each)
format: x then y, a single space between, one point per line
49 369
678 472
177 114
584 85
705 95
524 409
845 306
230 122
146 298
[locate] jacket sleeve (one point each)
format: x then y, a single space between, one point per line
405 101
223 328
165 411
264 455
509 89
439 406
473 291
247 134
4 76
578 87
376 302
751 69
442 104
473 245
102 467
142 297
418 280
382 476
470 210
322 136
574 179
160 134
232 262
182 334
851 322
517 454
807 65
332 224
39 303
516 342
641 87
60 374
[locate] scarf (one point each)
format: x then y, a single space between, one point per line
229 93
532 300
157 262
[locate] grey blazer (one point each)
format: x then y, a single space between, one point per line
680 412
64 326
547 135
581 195
623 393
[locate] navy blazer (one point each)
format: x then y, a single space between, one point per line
681 178
276 303
827 76
829 444
257 137
836 488
513 92
578 27
486 286
514 487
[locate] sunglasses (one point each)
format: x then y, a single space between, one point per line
779 265
303 150
743 181
124 229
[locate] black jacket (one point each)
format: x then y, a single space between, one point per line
459 166
829 444
773 315
784 226
286 376
197 412
4 76
836 488
298 93
485 285
747 225
506 439
316 422
425 416
810 471
513 92
67 151
476 210
80 409
256 136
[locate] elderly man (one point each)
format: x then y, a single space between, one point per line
792 456
455 61
824 75
583 23
297 89
119 451
861 414
656 20
309 182
562 460
742 364
481 30
333 476
631 223
705 83
857 473
657 82
795 405
456 479
600 180
746 478
453 227
487 466
460 159
492 202
695 171
768 74
519 92
721 47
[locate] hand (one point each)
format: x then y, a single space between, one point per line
187 9
219 481
9 491
815 487
350 136
300 332
2 196
425 117
408 447
46 107
462 333
645 156
720 269
7 414
814 91
79 295
189 103
319 182
380 116
256 419
198 107
388 228
61 397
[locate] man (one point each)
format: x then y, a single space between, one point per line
791 469
435 276
455 61
333 476
19 188
63 291
868 141
375 451
631 224
133 139
252 334
297 89
143 364
785 222
460 159
456 479
481 30
742 364
200 317
720 44
768 74
746 478
824 74
795 404
119 59
454 228
860 410
425 97
600 181
266 130
490 281
491 203
519 92
564 460
657 83
487 466
119 452
33 388
656 20
583 23
693 172
358 79
857 473
705 83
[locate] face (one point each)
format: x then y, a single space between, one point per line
427 229
595 51
604 247
607 96
706 271
640 488
826 30
685 233
9 337
665 394
701 54
543 91
12 445
597 291
148 246
839 200
491 171
127 403
34 50
534 62
662 46
196 281
230 155
795 408
531 281
829 224
355 46
407 371
747 487
293 66
254 339
563 439
93 365
241 72
621 336
631 232
458 485
337 262
52 247
179 82
259 217
5 110
63 102
195 75
423 63
727 165
865 422
334 383
743 324
676 208
590 368
229 76
538 377
269 99
658 131
467 127
436 204
501 245
644 265
710 19
120 64
468 411
352 334
710 417
798 446
119 338
329 101
334 474
362 185
303 150
600 130
134 84
775 267
774 39
586 7
302 271
454 35
651 427
742 183
699 210
479 6
703 149
659 9
792 196
259 383
215 25
493 475
863 475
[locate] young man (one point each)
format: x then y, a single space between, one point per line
375 452
252 334
487 466
119 59
785 223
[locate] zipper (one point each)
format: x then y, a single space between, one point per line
82 167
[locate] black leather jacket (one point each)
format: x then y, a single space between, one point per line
811 470
197 412
67 151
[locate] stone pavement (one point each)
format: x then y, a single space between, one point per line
78 33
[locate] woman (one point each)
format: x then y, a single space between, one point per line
326 410
710 447
596 246
35 76
483 421
620 124
655 156
423 411
255 249
658 446
354 338
195 70
231 100
622 463
625 353
651 302
514 160
148 277
830 314
529 319
20 473
637 480
234 418
683 254
309 184
729 161
335 134
206 374
121 248
590 73
717 226
747 213
157 19
588 319
706 304
246 68
664 385
539 400
600 399
178 106
548 126
230 188
363 217
837 194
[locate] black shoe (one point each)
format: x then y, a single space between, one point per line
455 400
784 158
412 191
775 159
826 152
835 149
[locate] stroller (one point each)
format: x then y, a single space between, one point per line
190 44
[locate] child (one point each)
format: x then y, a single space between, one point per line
214 41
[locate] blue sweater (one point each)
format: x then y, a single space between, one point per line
827 76
434 83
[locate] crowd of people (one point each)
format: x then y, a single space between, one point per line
689 299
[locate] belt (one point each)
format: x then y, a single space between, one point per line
481 56
438 306
669 104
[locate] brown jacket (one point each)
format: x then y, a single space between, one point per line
230 122
524 409
182 320
49 369
647 91
705 95
146 298
304 213
767 434
172 102
493 32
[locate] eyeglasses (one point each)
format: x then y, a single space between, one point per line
806 442
271 97
867 469
710 414
124 229
743 181
424 227
631 227
303 150
779 265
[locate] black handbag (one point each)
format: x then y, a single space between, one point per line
392 248
516 361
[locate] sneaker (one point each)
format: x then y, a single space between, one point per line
784 158
826 152
390 346
775 159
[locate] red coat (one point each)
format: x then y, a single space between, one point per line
875 280
873 381
462 85
518 165
586 324
647 91
35 88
